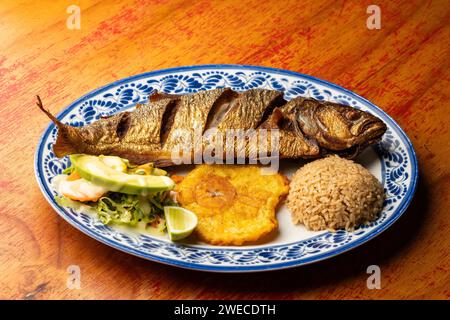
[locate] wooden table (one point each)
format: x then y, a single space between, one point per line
402 67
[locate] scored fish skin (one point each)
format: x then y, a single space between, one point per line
191 115
248 109
307 128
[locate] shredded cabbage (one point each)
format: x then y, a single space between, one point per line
68 203
127 209
131 209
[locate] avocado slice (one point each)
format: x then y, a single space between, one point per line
93 169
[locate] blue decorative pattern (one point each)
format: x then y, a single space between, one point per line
398 162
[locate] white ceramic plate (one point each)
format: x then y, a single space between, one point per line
392 161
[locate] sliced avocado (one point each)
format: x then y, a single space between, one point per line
114 162
95 170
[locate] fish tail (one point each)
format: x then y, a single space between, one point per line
63 145
52 117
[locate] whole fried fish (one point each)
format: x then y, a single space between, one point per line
306 128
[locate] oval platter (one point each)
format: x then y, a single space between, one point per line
392 161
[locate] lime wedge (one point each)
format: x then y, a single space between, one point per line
180 222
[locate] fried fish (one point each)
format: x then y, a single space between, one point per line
306 128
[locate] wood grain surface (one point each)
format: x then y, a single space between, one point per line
403 68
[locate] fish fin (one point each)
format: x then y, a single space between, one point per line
62 146
161 163
156 96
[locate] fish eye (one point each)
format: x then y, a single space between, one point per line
352 115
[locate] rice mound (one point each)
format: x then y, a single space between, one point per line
334 193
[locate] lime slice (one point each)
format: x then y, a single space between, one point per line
180 222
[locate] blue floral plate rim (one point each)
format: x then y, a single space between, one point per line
217 267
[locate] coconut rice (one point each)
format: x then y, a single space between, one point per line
334 193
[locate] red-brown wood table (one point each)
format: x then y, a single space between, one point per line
402 67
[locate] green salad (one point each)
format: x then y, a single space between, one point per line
119 192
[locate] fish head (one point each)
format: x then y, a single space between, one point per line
340 128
